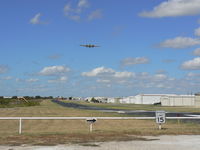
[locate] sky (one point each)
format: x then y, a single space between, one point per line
146 47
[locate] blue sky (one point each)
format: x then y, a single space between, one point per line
146 47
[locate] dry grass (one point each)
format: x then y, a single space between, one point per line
49 109
51 132
136 127
72 131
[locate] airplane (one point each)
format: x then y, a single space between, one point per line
89 45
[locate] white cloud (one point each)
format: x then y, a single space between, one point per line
191 74
19 80
160 76
36 19
134 61
74 13
124 74
83 4
161 85
75 17
196 52
97 14
107 72
32 80
61 79
172 79
7 78
161 71
67 9
54 70
107 77
192 64
197 32
98 71
103 81
144 74
3 69
180 42
173 8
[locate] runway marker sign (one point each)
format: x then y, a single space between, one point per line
160 118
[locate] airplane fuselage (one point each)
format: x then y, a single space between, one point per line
89 45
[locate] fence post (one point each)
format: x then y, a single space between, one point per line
20 125
90 127
160 126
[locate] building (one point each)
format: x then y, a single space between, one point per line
111 100
7 97
197 100
88 99
163 99
148 98
142 99
178 100
98 99
127 100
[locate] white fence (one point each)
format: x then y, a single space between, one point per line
86 118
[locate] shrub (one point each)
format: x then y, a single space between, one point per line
4 101
32 103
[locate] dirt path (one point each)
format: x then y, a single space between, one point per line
182 142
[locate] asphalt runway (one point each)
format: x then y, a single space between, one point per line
138 113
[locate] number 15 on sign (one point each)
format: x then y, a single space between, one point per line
160 117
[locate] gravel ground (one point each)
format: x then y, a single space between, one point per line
181 142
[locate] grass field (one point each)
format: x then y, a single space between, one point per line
42 132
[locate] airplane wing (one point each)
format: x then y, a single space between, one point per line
83 45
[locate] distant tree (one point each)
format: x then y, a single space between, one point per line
4 102
50 97
94 100
28 97
70 98
197 94
38 97
14 97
